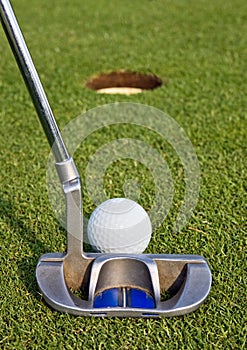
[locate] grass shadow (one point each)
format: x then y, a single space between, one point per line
21 232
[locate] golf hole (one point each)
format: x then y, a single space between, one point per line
123 82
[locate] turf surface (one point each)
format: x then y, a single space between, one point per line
199 49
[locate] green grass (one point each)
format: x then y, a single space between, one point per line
199 49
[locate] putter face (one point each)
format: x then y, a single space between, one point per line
117 284
111 285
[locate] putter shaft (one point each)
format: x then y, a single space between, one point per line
31 78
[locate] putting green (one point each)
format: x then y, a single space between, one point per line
198 49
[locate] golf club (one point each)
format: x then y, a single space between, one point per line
124 285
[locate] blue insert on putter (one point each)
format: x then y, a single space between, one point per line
124 297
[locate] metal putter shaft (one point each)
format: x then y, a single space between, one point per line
66 168
110 282
32 80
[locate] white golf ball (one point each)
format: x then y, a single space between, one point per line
119 225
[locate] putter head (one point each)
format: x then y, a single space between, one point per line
117 284
126 285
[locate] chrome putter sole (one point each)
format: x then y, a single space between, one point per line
111 284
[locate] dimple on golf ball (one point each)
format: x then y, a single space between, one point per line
119 225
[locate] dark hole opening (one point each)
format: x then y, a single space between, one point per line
124 79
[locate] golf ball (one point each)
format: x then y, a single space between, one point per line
119 225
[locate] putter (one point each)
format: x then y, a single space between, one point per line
123 285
